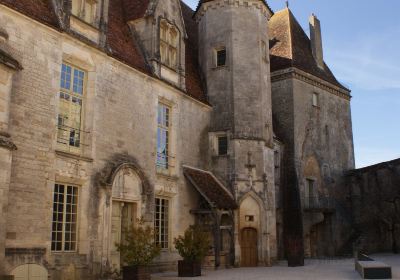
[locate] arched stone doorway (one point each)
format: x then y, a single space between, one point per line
126 194
250 229
126 209
29 272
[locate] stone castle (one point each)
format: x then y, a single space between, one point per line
112 110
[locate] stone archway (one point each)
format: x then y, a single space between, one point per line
29 272
251 223
128 196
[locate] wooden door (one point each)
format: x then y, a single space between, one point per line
30 272
249 256
115 234
123 218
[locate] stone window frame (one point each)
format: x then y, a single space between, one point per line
316 99
64 217
215 136
216 50
165 244
264 51
81 12
70 93
170 46
164 125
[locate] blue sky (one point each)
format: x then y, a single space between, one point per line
362 47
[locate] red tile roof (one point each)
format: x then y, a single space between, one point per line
194 86
121 44
40 10
135 9
120 39
210 188
291 47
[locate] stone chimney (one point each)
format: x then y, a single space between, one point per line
316 40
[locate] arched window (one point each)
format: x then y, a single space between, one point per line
169 38
85 10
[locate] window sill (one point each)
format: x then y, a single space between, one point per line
220 156
215 68
91 25
73 155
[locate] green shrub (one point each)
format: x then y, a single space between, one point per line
139 247
193 245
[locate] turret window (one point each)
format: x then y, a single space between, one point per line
85 10
220 57
169 37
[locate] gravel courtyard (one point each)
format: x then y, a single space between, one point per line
314 269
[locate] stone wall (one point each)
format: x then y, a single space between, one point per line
120 117
374 193
310 134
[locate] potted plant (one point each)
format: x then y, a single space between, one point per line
137 251
193 247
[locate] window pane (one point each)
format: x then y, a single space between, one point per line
222 145
221 57
162 136
161 223
64 218
66 76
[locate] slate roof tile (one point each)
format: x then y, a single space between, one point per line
291 47
210 188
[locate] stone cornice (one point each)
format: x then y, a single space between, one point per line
202 9
5 142
294 73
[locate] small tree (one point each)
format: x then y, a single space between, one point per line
139 247
193 245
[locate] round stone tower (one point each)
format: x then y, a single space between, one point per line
234 58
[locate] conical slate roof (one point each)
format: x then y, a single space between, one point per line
205 1
291 47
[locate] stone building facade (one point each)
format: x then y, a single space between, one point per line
113 110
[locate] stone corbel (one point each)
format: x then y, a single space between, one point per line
6 142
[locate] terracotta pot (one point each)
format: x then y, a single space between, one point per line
135 273
189 268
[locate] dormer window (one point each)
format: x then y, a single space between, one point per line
85 10
169 37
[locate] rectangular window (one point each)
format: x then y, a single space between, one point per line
65 218
315 100
85 10
222 145
264 52
72 90
161 223
221 57
163 123
169 38
310 199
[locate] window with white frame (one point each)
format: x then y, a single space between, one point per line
161 223
85 10
65 218
169 38
163 135
72 90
